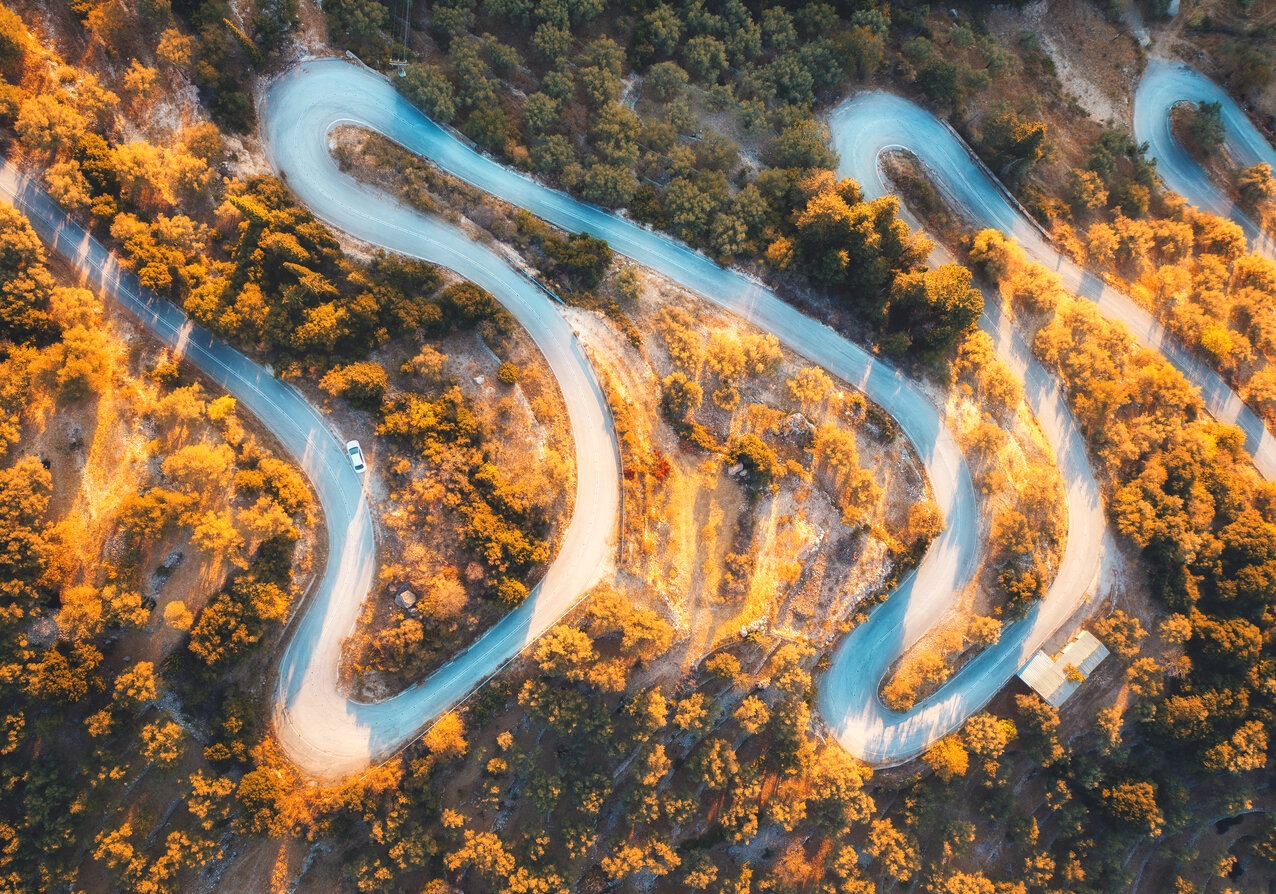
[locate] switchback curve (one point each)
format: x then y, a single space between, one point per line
299 111
866 126
1163 86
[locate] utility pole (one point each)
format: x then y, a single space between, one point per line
401 63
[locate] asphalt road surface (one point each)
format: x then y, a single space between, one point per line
300 110
1167 84
865 125
863 128
330 735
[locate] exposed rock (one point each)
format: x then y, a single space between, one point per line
171 561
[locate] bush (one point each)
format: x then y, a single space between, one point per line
1205 126
580 257
511 592
361 384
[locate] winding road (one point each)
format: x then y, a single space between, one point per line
318 725
1166 84
330 735
865 127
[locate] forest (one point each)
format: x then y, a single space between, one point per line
157 546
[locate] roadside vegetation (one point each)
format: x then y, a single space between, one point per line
919 317
662 737
480 469
154 544
1182 493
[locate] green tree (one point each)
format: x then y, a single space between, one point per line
1205 126
801 145
1016 143
428 88
665 80
936 308
580 257
357 23
658 34
705 58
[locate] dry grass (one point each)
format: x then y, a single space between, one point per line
685 514
528 439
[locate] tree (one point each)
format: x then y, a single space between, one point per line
715 764
428 88
810 387
49 124
25 284
1016 143
580 256
842 240
64 674
262 794
446 739
1205 126
752 714
26 488
1134 803
948 758
135 686
941 81
665 80
15 44
178 616
551 42
725 666
161 742
540 114
139 81
1039 728
658 34
838 798
986 737
1256 184
705 57
1121 633
611 185
357 23
1243 752
451 20
936 308
1088 192
801 145
362 384
896 851
760 463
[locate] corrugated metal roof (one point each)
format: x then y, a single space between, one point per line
1054 679
1084 652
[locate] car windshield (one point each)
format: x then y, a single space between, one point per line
354 450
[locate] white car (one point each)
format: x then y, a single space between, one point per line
355 452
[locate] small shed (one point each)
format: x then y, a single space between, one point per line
1055 679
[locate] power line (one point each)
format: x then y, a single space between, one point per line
402 63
